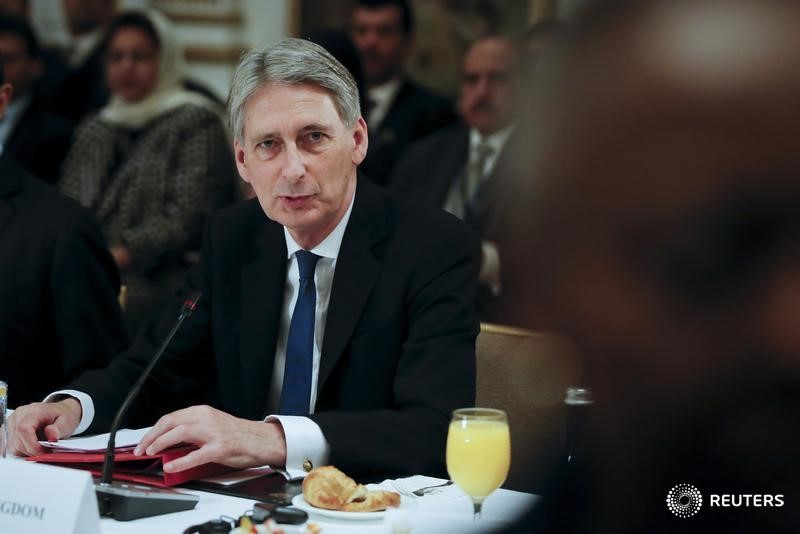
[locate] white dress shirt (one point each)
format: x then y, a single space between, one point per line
82 46
304 438
382 96
13 114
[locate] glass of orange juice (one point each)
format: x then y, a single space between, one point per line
478 452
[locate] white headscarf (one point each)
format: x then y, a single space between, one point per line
168 93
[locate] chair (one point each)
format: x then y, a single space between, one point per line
526 374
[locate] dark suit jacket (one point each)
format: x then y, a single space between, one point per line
59 314
399 348
83 90
415 113
39 141
428 170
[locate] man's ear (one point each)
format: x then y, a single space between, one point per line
5 97
241 163
360 141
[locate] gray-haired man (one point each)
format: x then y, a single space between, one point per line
336 329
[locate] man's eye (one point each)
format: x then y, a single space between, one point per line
315 137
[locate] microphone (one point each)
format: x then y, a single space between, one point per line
124 501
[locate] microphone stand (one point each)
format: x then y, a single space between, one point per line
125 501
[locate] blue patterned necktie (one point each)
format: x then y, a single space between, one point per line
296 393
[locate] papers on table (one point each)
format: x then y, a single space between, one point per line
126 439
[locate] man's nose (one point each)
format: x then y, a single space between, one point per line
369 39
293 166
482 87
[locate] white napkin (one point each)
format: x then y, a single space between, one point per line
399 521
448 509
405 486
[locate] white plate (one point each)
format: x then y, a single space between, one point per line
301 503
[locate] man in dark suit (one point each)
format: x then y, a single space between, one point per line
59 314
84 89
464 169
346 311
36 138
397 110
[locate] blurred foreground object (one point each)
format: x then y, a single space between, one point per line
665 239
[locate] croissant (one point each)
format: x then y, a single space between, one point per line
374 500
327 487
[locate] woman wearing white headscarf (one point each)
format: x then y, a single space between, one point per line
151 164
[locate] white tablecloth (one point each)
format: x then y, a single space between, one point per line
447 510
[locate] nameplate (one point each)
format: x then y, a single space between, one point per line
43 498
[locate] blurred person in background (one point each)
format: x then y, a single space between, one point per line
36 138
464 169
665 241
59 314
152 164
398 110
83 88
339 44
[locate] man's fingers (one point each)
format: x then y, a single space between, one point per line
52 432
167 423
174 436
28 441
201 456
54 421
162 426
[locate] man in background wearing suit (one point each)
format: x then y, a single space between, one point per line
339 311
59 314
462 168
36 138
84 89
397 110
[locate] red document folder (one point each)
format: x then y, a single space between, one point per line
141 469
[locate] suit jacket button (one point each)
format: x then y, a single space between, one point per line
307 465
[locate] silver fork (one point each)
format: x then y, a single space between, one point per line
430 489
403 491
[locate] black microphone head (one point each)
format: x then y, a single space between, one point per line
191 301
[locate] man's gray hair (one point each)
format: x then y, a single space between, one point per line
291 62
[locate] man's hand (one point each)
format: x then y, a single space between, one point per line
221 438
42 420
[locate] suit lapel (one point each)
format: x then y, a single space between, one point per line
262 289
387 131
449 166
10 184
357 270
499 186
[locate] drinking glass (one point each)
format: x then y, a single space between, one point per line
478 452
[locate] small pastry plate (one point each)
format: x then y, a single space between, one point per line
299 502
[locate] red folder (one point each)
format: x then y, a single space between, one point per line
141 469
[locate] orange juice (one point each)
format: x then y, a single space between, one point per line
478 455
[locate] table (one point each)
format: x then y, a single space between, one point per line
447 511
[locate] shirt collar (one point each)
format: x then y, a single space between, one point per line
386 91
13 114
83 45
329 247
497 140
